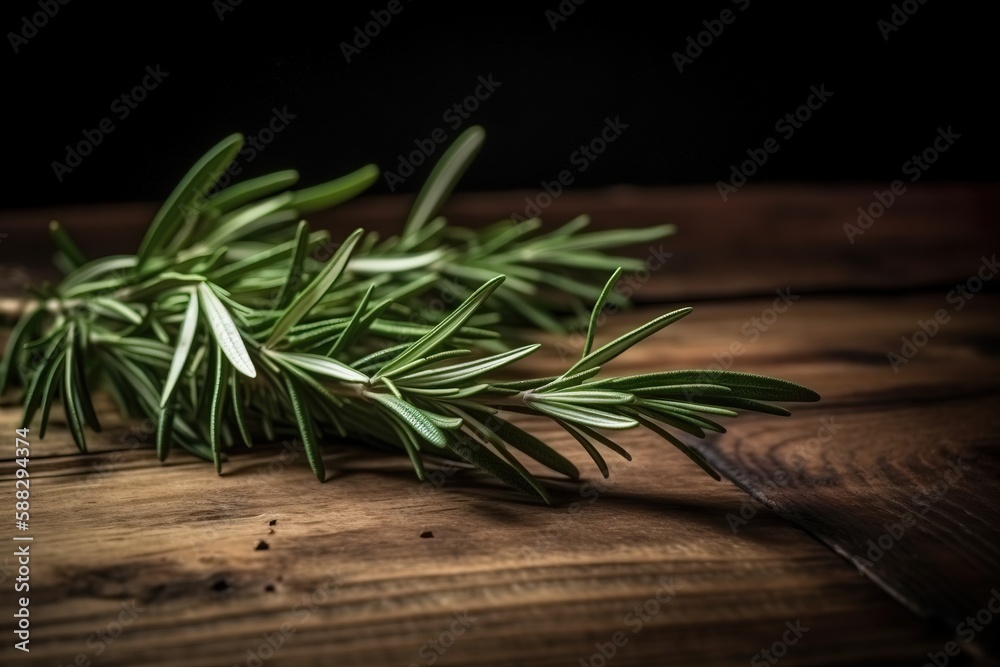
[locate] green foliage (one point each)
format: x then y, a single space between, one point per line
234 323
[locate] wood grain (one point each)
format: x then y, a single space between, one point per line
543 584
899 472
550 585
761 238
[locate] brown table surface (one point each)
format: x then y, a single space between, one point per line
870 534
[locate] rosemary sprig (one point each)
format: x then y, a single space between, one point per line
227 325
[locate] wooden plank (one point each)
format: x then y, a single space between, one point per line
545 585
763 237
899 472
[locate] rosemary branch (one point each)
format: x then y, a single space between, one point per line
234 322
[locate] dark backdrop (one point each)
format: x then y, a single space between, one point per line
227 68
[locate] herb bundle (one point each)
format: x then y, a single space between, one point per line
234 322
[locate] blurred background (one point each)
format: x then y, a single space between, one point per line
114 102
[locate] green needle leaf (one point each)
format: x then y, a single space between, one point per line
690 453
468 370
305 424
675 414
523 472
71 402
224 329
602 465
66 245
745 404
330 368
48 391
383 265
604 440
189 194
568 380
409 442
417 420
442 331
82 388
319 286
182 350
113 308
481 457
533 447
164 432
238 412
262 261
443 178
291 287
585 396
252 189
21 334
218 408
619 345
742 385
325 195
244 221
499 431
355 324
595 314
578 414
36 385
690 408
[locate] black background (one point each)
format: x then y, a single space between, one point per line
557 86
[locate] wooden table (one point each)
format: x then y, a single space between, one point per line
863 530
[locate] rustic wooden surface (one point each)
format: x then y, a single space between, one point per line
551 585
